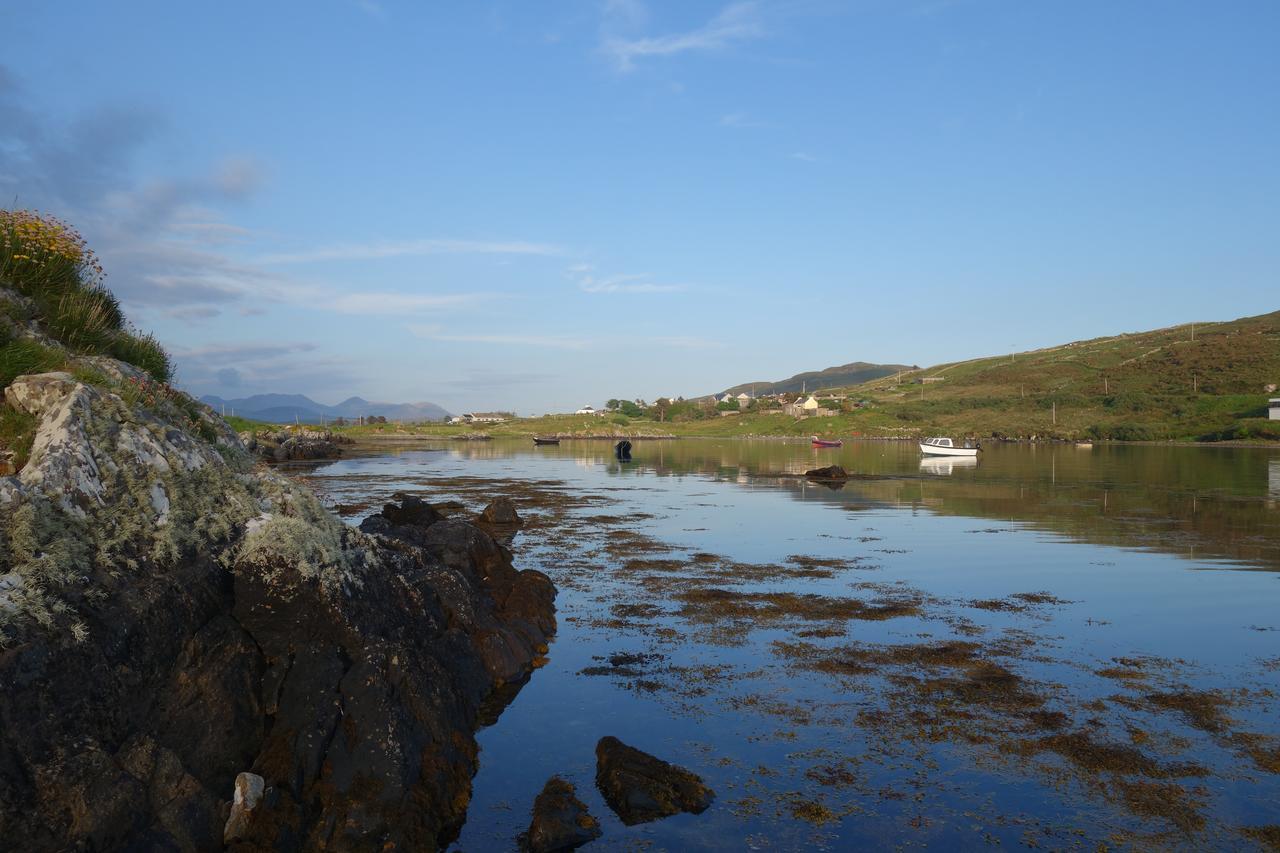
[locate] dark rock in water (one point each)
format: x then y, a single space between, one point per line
640 788
500 511
560 820
829 473
216 626
412 510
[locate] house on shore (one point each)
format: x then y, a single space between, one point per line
1273 408
589 410
487 417
743 400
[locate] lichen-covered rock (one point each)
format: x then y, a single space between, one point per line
172 617
288 445
560 820
248 794
640 788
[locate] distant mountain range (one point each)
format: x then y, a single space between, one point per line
286 408
853 373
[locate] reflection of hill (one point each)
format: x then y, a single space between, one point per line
1195 502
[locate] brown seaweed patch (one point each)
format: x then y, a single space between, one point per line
1268 836
1263 749
1201 708
704 604
1082 750
1161 800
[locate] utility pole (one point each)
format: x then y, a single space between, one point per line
1193 332
1106 388
1055 412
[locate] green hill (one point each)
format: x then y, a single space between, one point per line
817 380
1169 383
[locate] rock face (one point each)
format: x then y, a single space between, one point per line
560 820
640 788
292 445
185 638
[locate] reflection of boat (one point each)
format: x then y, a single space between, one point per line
945 447
537 440
1084 445
944 465
822 442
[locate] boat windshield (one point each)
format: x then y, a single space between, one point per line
938 442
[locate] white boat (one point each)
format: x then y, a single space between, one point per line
945 447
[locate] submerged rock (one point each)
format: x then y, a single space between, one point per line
830 473
500 511
177 624
560 820
640 788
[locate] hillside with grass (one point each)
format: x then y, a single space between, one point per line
1204 382
818 380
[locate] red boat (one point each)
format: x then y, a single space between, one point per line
822 442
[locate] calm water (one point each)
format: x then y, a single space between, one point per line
1167 559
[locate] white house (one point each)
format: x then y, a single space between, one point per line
727 398
1274 411
486 417
744 400
587 410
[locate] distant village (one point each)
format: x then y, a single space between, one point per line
803 405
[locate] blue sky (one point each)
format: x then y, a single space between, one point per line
536 205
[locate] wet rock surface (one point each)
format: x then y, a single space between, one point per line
193 650
560 820
640 788
830 473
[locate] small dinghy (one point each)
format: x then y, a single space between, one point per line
538 440
822 442
622 450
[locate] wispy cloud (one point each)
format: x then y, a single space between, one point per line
803 157
737 22
437 333
383 249
398 304
588 281
740 120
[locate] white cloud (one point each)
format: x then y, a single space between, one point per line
737 22
436 333
585 277
374 251
392 304
803 156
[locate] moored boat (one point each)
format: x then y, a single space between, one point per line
822 442
540 440
945 447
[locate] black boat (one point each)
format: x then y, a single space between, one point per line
537 440
622 450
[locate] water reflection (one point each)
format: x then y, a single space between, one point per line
1206 503
945 466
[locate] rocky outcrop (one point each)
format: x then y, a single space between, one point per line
560 820
640 788
192 649
289 445
829 474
